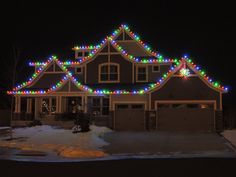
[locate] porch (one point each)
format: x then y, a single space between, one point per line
60 110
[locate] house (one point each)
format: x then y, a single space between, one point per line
123 84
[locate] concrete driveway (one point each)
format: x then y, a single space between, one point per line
167 143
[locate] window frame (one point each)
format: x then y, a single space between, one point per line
101 106
137 73
109 73
79 54
154 70
50 106
76 72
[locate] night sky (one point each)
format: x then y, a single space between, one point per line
203 31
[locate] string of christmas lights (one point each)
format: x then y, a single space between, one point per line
165 76
157 58
38 71
203 75
88 89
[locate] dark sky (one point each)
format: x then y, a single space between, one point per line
204 31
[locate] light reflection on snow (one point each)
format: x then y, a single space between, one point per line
59 141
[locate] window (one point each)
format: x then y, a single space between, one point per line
109 73
45 106
155 68
105 106
137 106
79 54
192 106
205 106
104 73
100 106
78 70
122 106
48 105
53 105
141 73
86 54
129 106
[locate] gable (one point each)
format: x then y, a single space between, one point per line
105 49
133 48
112 49
127 37
189 70
123 36
69 86
177 88
57 68
64 88
50 68
119 37
46 81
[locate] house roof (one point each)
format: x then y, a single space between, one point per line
133 48
124 89
136 51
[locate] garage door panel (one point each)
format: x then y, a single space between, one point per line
129 119
171 119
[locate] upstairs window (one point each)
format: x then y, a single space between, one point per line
78 70
155 68
141 74
109 72
79 54
86 54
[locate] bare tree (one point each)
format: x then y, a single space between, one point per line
11 67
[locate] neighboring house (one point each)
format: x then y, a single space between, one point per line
124 85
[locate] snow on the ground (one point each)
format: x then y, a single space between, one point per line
230 135
63 142
4 128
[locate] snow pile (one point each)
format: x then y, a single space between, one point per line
60 141
230 135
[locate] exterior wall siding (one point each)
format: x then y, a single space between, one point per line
79 76
93 68
47 80
154 76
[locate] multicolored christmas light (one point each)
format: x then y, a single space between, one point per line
203 75
38 71
90 47
177 66
157 58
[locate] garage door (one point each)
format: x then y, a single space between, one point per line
185 117
129 117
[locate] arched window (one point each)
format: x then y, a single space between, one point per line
109 72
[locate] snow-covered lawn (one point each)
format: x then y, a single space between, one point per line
60 141
230 135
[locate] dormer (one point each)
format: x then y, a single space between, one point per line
82 51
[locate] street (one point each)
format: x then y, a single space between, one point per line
185 167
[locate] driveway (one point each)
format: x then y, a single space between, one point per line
166 143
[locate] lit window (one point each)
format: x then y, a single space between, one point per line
142 73
48 105
109 72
